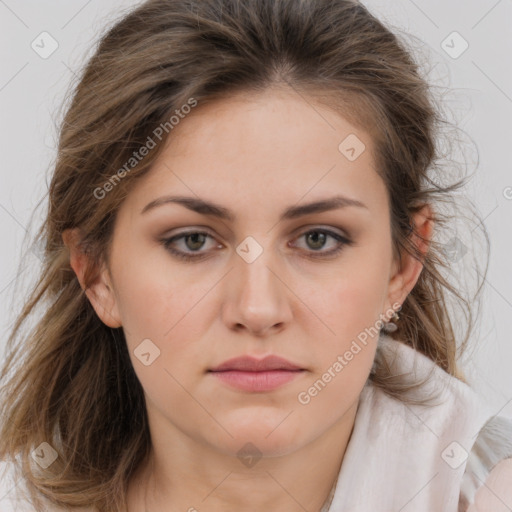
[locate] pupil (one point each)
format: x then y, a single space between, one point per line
314 235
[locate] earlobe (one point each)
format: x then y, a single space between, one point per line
99 290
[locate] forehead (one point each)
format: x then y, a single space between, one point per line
258 149
271 126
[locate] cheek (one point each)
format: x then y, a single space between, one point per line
350 304
171 310
145 304
159 319
354 298
151 295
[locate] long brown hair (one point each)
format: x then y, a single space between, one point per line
72 383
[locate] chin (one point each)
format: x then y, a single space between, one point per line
244 446
269 434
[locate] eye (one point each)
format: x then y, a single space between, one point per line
316 239
193 240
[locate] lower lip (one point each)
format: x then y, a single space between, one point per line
257 381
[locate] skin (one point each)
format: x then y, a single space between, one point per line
256 156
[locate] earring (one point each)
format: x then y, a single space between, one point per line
391 325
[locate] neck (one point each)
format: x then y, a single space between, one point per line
190 476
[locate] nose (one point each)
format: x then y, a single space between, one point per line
257 298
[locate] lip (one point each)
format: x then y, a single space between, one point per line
256 375
252 364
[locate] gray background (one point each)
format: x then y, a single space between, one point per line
32 89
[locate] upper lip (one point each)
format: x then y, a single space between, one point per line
251 364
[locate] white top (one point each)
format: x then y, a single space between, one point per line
409 458
412 458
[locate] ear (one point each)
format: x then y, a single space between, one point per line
99 291
407 270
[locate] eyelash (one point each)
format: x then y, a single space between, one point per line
166 242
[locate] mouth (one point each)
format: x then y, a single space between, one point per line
256 375
257 381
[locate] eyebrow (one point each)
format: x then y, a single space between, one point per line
292 212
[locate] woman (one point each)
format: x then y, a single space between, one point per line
241 205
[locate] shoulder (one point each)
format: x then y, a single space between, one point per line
487 480
459 413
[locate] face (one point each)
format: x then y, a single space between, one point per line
193 289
